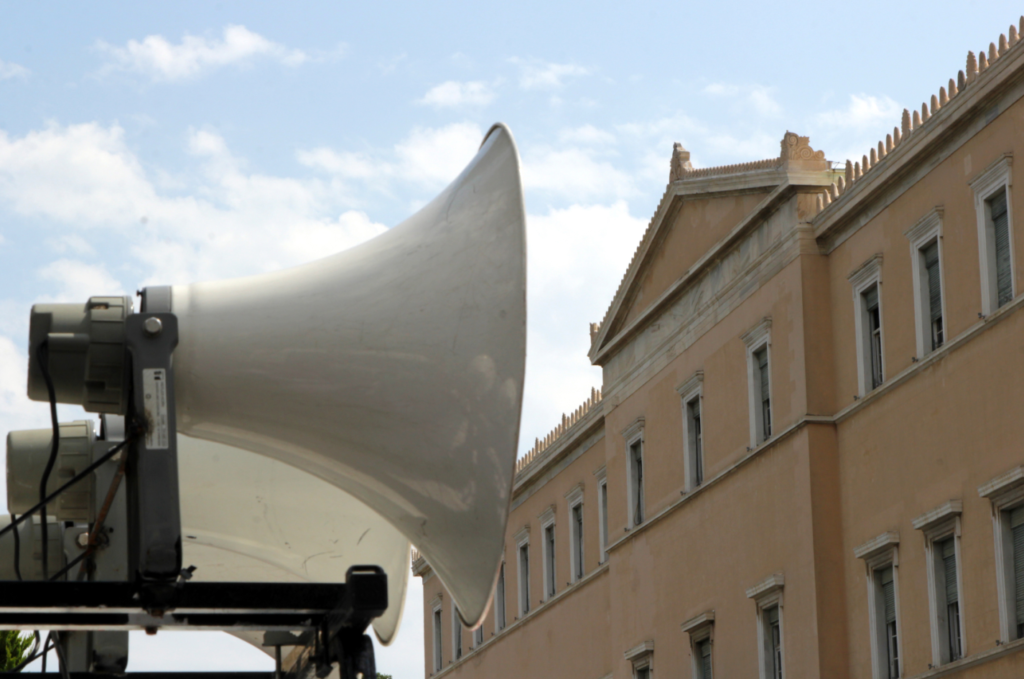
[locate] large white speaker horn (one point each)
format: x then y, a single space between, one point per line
248 518
393 371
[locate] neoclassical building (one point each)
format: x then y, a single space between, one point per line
807 455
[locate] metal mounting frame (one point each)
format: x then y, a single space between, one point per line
159 596
337 614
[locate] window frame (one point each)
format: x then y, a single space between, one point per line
457 647
690 392
996 177
757 338
878 554
1006 493
478 637
577 535
522 539
633 435
500 612
937 526
926 231
767 595
436 623
549 554
701 629
602 514
867 275
640 658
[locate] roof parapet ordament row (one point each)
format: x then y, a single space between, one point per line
912 121
568 421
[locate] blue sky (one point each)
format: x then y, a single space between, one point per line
144 143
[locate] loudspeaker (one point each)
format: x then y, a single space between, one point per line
249 518
393 370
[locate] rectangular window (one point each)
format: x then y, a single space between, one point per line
602 493
762 391
456 635
933 293
866 283
703 653
478 637
643 673
993 207
577 542
499 601
437 640
949 598
873 326
1017 532
772 643
549 561
886 597
636 468
1003 277
696 441
524 579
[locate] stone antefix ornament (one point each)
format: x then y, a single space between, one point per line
680 163
797 153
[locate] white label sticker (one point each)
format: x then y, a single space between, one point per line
154 394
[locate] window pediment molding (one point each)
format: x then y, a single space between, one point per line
878 547
940 519
601 473
639 651
997 174
926 227
547 517
1005 489
522 536
867 273
768 591
690 386
699 627
575 495
435 603
759 332
634 430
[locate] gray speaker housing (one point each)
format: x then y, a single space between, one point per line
87 358
27 454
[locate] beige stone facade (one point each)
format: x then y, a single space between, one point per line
850 342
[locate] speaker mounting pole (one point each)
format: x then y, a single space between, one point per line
153 497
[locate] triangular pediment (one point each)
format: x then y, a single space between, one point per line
699 209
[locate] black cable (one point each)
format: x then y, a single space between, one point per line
33 656
43 355
62 662
74 562
17 551
75 479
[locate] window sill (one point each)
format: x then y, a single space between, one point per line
975 660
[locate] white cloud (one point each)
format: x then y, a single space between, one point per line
454 94
536 74
9 70
864 111
159 59
75 280
722 90
437 156
577 257
574 175
430 157
758 97
70 243
226 222
586 134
